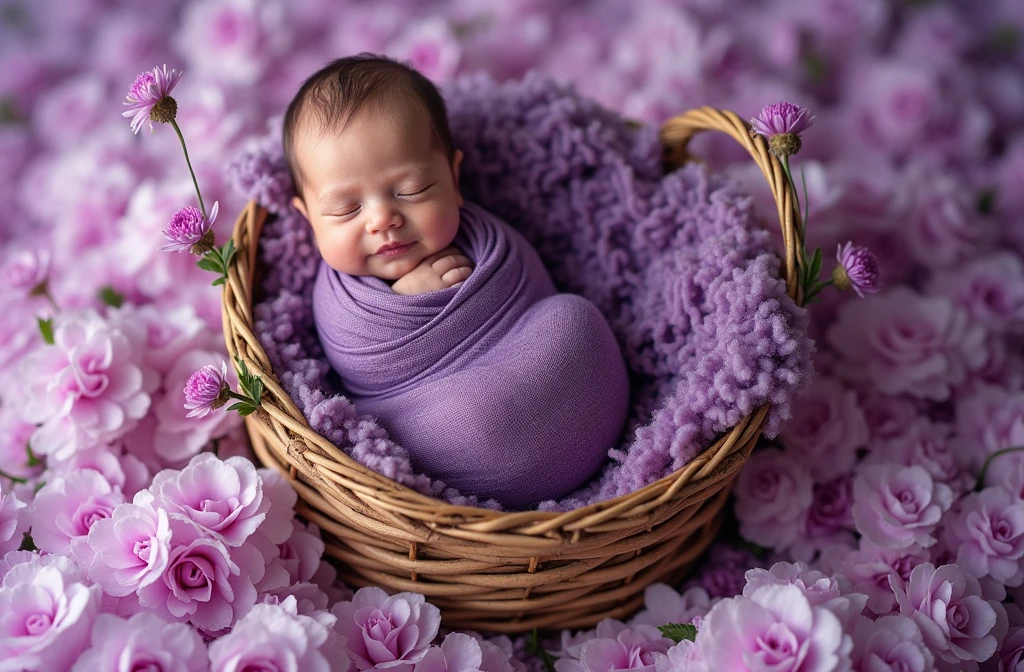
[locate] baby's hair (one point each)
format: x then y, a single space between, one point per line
346 86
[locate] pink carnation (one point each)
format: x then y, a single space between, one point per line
990 289
87 388
890 643
130 549
903 342
773 493
946 604
47 612
775 628
896 506
203 582
385 631
66 508
14 520
142 642
277 637
987 532
662 604
826 429
222 499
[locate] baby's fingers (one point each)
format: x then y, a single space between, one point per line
445 264
456 275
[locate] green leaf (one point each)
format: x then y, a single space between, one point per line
227 252
27 544
111 297
534 648
677 632
986 202
32 459
211 262
46 329
243 408
816 265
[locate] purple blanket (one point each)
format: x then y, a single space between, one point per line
502 388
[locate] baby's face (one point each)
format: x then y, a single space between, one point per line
380 181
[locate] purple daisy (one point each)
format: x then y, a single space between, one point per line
206 390
781 125
858 268
149 98
189 230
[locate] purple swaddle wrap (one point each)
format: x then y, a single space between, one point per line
502 388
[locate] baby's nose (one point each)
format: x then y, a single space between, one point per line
385 219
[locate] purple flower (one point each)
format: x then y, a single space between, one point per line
204 391
300 554
776 628
46 612
614 646
683 657
818 588
877 572
149 98
67 507
946 604
857 269
222 499
891 643
990 289
457 653
277 637
24 272
781 125
826 429
925 444
385 631
773 493
896 506
988 532
1011 653
190 230
142 642
130 549
904 342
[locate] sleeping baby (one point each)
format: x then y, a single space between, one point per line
440 318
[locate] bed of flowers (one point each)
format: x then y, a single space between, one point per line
882 530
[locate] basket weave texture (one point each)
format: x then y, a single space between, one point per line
492 570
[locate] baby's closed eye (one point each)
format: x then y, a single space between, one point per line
416 191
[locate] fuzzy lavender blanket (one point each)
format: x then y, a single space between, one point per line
687 280
501 387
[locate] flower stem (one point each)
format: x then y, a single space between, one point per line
191 172
796 196
980 484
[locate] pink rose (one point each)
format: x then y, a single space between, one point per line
829 520
987 530
87 388
895 506
70 110
775 628
903 342
819 589
990 289
23 271
222 499
46 615
382 629
614 646
683 657
457 653
927 444
120 470
14 437
169 331
203 582
67 507
179 437
826 429
300 555
988 419
891 643
773 493
945 603
130 549
1011 653
944 227
662 604
142 642
277 637
14 520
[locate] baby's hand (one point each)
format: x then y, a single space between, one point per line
447 268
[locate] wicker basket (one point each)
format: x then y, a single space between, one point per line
489 570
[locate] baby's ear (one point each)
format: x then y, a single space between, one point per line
301 207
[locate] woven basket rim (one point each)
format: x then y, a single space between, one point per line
708 467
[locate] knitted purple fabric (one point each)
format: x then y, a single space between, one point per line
687 280
501 388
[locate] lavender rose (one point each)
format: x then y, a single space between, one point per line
946 604
664 605
142 642
67 507
891 643
878 572
130 549
382 629
826 429
773 493
988 532
895 506
13 521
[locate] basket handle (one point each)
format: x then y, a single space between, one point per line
675 136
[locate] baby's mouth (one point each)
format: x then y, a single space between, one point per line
394 249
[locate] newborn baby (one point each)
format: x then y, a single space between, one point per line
440 318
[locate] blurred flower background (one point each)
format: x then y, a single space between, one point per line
917 153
